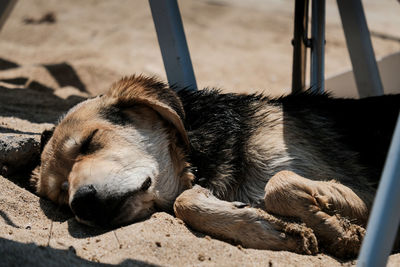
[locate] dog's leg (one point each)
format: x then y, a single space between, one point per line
332 210
249 227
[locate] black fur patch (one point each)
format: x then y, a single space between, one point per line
361 125
45 137
115 115
219 126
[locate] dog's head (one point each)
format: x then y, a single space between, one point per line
115 158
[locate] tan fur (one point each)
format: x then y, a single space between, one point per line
323 206
150 145
134 91
247 226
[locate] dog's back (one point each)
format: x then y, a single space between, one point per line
364 126
239 141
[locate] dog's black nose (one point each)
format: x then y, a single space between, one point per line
99 208
88 205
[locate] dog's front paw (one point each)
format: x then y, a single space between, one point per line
349 243
292 236
306 240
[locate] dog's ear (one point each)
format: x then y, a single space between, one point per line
45 137
154 94
34 180
35 177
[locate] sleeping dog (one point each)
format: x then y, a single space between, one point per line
295 173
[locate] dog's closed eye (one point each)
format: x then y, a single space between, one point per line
88 146
146 184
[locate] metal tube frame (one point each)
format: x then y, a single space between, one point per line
6 6
317 79
299 42
316 43
359 45
172 41
385 216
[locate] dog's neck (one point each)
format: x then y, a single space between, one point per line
175 178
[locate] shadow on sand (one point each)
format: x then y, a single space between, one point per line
21 254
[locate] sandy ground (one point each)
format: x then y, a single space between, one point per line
49 63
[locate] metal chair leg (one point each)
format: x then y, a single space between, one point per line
316 43
317 79
360 48
172 41
6 6
300 39
385 216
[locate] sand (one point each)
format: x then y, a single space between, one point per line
54 54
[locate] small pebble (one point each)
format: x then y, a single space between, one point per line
158 244
201 257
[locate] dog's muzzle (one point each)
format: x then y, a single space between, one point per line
88 205
94 208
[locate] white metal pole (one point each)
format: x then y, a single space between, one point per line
359 45
385 216
172 41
